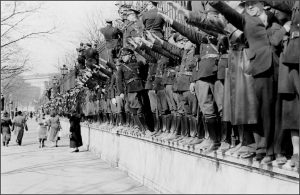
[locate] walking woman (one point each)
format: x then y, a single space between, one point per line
42 130
5 129
53 128
75 131
19 124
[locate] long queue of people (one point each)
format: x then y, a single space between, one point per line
227 79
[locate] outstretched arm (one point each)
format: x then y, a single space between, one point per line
233 17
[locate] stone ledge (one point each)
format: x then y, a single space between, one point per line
283 172
174 169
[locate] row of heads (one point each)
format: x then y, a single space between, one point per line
5 113
125 9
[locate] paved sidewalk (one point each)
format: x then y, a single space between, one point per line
29 169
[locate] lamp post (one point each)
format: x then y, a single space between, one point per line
64 71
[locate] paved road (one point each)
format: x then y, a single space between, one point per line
29 169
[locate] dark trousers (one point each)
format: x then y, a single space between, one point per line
265 89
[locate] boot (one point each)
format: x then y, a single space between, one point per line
115 122
193 132
213 129
156 124
177 130
166 120
122 118
160 126
145 128
225 136
173 123
185 129
127 119
199 131
139 124
164 123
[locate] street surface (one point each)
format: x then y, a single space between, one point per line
28 169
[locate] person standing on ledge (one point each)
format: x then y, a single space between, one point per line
75 131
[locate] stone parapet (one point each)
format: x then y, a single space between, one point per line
169 168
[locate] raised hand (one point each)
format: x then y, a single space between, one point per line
175 5
102 60
166 18
132 42
150 36
157 38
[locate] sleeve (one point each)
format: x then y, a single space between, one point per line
111 65
112 81
233 17
158 48
204 22
173 49
194 36
277 34
148 57
119 81
97 56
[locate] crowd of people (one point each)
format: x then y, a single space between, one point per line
48 128
226 79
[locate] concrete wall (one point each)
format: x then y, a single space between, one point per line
170 170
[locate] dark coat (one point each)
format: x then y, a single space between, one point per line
262 41
188 63
206 67
292 57
152 61
92 57
113 86
153 22
75 130
131 74
5 125
112 36
168 69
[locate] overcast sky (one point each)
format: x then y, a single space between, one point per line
69 17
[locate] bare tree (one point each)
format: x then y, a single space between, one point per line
91 32
14 16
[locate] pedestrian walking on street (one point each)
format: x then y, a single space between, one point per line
75 131
42 130
6 125
19 124
53 128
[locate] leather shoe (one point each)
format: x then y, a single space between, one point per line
260 156
267 160
194 141
281 159
224 147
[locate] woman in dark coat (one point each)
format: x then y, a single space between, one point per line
75 131
6 129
